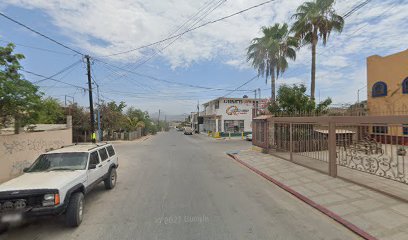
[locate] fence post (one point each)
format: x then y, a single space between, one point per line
332 150
291 141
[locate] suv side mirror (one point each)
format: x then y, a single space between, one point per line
26 169
92 166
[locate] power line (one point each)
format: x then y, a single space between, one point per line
162 80
37 48
346 15
53 79
192 29
59 72
210 10
120 76
204 9
62 77
38 33
245 83
356 8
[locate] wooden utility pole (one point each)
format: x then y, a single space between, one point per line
158 121
198 116
91 109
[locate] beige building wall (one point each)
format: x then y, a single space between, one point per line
392 70
20 150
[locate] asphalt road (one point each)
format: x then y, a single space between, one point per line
179 187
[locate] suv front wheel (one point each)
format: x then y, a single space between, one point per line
110 181
75 210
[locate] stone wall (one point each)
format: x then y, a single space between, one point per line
20 150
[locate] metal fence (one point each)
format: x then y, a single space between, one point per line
375 145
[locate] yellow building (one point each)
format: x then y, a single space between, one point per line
387 84
387 88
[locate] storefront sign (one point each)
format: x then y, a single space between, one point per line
239 101
234 110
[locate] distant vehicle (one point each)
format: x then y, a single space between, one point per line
56 183
188 131
180 129
248 137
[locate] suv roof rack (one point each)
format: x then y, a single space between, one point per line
98 145
64 146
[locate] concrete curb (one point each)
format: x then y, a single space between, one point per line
308 201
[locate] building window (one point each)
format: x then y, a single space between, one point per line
380 129
379 89
405 129
217 104
405 86
233 126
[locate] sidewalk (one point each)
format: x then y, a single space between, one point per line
141 139
377 214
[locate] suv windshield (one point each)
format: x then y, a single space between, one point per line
59 162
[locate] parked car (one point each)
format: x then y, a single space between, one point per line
57 182
188 131
248 137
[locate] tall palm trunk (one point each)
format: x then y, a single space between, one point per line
313 72
273 86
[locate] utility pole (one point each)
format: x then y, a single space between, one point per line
358 94
259 90
91 109
198 115
99 114
73 100
158 120
255 93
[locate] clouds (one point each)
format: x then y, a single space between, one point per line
126 24
104 27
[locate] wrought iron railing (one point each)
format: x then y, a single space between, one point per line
375 145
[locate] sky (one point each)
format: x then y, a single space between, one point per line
212 57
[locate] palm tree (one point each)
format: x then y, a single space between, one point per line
268 54
316 19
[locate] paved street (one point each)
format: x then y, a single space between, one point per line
178 187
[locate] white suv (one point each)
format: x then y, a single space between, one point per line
57 182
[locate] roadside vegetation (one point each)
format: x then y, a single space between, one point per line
23 104
293 101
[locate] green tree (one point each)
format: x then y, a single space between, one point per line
269 53
112 117
50 112
80 122
19 98
133 123
138 118
293 100
315 20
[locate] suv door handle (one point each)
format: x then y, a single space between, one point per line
109 160
100 165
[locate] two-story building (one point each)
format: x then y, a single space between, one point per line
229 115
387 90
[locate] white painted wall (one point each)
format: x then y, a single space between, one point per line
244 106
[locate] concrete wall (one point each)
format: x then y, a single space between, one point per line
20 150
